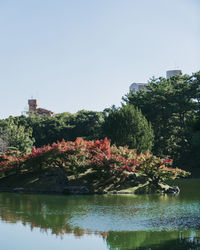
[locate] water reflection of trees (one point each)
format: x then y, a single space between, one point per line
153 240
42 211
54 213
49 213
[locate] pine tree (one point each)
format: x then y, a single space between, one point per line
127 126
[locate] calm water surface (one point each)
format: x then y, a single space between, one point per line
102 222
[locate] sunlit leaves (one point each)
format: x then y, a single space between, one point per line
102 159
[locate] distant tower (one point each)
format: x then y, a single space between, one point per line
32 103
171 73
34 110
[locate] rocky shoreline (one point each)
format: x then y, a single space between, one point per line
56 182
83 190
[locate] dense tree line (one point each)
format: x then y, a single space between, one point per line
43 130
164 118
173 108
124 126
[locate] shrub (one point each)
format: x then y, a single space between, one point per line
99 156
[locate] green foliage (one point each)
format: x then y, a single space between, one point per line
127 126
157 170
192 157
87 124
169 104
16 136
46 130
3 144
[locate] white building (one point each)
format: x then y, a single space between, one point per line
137 86
173 72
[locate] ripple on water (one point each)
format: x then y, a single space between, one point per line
143 216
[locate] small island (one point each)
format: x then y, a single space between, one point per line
86 167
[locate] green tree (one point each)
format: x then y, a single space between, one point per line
46 130
88 124
3 144
15 136
168 104
191 158
127 126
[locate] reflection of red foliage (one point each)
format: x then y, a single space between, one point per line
104 234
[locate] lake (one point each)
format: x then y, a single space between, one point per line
30 221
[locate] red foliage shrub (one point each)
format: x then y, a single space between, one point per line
99 156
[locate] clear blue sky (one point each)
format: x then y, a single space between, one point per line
84 54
